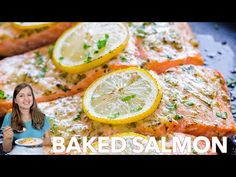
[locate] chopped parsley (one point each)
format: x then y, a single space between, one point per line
188 69
45 69
86 46
88 58
222 115
137 109
81 76
188 103
124 59
169 57
102 42
113 116
63 87
178 116
171 107
39 58
80 111
140 32
128 98
50 51
54 127
77 118
96 51
61 58
63 74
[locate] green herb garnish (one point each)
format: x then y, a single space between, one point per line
112 116
63 87
39 58
50 51
63 74
171 107
124 59
61 58
127 98
178 116
137 109
88 58
222 115
102 42
77 118
188 103
86 46
45 69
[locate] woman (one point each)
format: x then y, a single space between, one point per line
25 120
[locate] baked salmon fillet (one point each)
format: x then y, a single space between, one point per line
49 83
195 101
164 45
67 120
15 41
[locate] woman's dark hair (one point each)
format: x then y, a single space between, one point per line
36 115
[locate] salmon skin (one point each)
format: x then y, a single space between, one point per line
15 41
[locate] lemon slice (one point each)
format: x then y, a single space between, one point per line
123 96
31 25
87 45
130 145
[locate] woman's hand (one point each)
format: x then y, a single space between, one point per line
7 139
47 138
8 133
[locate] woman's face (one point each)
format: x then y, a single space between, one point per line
24 98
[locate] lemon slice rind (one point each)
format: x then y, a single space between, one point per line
76 64
149 108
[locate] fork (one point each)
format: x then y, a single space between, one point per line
15 131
